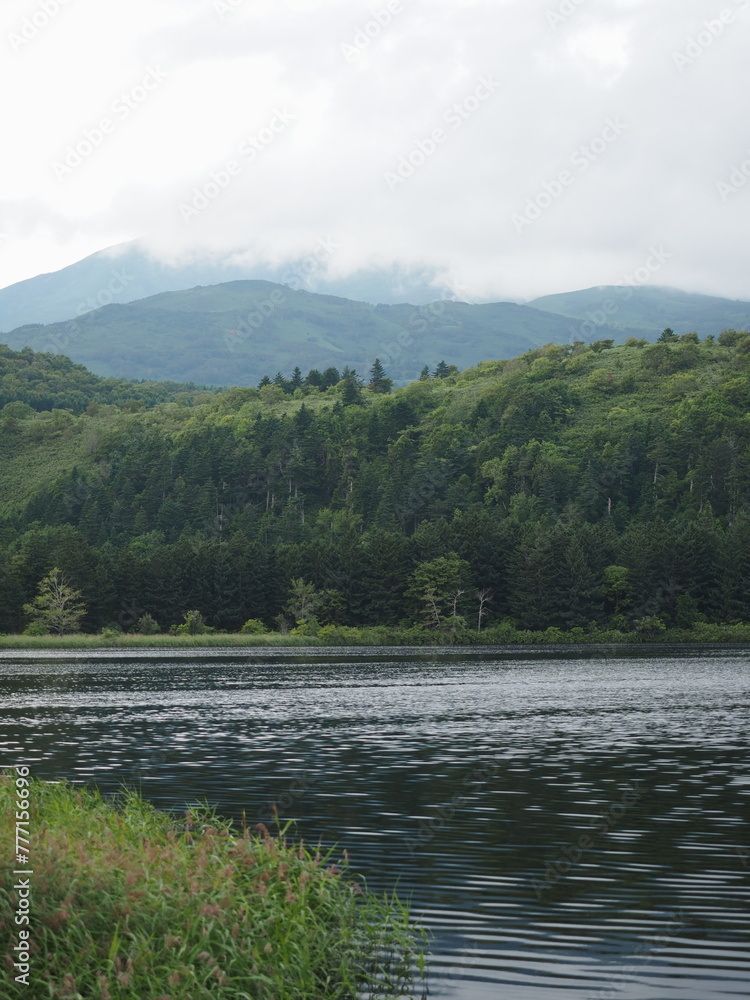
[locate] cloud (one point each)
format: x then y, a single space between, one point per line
284 123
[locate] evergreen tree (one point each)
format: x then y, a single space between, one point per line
352 393
330 377
379 382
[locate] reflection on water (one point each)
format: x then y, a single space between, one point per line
567 823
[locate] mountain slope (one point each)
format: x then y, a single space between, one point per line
238 331
647 309
127 273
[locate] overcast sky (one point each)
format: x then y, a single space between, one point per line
518 147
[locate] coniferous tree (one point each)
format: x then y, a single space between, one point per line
330 377
379 381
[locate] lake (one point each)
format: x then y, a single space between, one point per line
569 822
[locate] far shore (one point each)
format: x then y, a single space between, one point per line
735 634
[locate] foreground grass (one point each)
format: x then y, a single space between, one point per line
127 904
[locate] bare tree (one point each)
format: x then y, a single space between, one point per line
484 596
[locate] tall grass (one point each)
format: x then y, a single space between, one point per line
378 635
129 904
83 641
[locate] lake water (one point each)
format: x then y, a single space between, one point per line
568 823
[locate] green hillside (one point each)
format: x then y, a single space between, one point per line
238 331
578 487
648 310
50 381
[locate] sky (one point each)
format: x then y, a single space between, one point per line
514 148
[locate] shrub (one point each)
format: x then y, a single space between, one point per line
146 625
193 624
253 626
36 628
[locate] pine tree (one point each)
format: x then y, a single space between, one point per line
351 394
379 382
296 381
331 377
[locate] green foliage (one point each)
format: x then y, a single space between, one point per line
193 624
147 625
38 381
130 902
36 628
572 496
57 607
304 601
253 626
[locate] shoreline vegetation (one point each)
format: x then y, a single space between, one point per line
130 902
501 635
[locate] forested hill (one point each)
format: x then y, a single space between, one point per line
52 381
572 485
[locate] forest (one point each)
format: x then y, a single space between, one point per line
576 488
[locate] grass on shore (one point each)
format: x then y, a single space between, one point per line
83 641
129 904
344 635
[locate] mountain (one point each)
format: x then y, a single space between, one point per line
648 310
126 273
236 332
